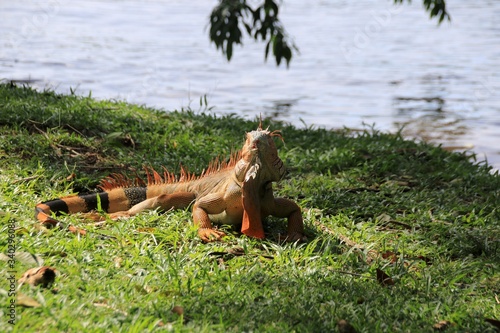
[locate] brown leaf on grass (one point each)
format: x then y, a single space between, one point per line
71 177
166 326
118 262
179 310
345 327
427 260
220 261
383 278
237 251
441 325
389 255
26 301
494 322
26 179
44 276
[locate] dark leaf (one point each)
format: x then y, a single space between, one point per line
266 52
278 47
345 327
383 278
248 28
441 325
494 322
271 8
391 256
287 54
39 276
256 15
179 310
237 251
229 50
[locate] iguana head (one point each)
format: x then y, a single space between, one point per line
259 157
258 167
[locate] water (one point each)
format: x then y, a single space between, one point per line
361 62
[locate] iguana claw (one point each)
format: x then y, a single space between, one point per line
210 235
295 236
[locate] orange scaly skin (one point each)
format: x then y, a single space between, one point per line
239 191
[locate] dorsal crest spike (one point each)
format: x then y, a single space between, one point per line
118 180
278 134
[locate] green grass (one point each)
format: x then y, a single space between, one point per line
426 217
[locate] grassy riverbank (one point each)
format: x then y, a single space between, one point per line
372 203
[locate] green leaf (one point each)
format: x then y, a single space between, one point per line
266 52
114 135
229 50
248 28
287 54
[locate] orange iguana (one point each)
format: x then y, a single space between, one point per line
239 191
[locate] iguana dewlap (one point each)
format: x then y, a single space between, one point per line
239 191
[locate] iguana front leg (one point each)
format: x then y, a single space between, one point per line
251 224
287 208
210 204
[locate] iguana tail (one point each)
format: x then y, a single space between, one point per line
117 199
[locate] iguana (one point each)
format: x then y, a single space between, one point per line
234 192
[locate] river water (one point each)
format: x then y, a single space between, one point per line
361 63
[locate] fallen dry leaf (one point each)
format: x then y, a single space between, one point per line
178 310
383 278
26 301
237 251
427 260
345 327
221 264
71 177
441 325
389 255
118 262
494 322
44 276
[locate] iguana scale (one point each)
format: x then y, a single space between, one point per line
234 192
